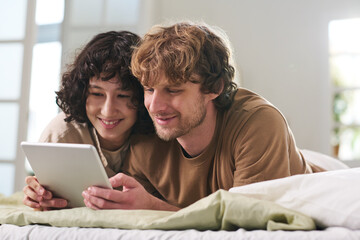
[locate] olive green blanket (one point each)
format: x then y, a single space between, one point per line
221 210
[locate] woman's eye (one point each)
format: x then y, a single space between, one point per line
96 94
123 96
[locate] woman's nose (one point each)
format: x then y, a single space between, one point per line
109 108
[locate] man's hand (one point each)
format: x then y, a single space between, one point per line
133 196
37 197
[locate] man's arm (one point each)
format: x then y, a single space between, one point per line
133 196
265 149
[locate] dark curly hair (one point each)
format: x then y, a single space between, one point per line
109 55
187 51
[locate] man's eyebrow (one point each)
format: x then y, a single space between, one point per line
175 85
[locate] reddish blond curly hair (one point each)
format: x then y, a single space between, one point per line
185 52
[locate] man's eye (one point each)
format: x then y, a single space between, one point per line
174 90
149 90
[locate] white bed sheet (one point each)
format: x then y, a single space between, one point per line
341 182
38 232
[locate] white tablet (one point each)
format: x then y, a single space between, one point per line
66 169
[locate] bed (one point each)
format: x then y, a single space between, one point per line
45 232
314 206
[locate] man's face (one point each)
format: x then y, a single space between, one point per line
175 109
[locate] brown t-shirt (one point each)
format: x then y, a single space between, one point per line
252 143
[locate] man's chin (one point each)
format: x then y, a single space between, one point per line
165 135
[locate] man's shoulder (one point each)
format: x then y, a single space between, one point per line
246 100
147 142
149 152
248 105
150 147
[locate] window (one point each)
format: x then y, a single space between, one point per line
46 62
31 54
15 56
344 39
29 75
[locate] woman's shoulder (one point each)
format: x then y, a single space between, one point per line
58 130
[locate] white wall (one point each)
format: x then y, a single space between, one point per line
281 49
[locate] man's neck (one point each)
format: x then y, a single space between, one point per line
195 142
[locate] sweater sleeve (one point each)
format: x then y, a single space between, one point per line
59 131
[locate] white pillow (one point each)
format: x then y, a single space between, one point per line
326 162
331 198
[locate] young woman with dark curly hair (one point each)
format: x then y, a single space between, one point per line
101 103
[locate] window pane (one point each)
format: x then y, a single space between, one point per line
122 12
7 175
349 142
12 25
344 36
8 128
345 70
44 82
76 41
92 15
49 12
347 107
11 58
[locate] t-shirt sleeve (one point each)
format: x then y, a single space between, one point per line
261 147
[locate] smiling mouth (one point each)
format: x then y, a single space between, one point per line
163 120
109 123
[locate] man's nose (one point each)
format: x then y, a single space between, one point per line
157 102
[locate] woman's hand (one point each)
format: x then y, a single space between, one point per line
37 197
133 196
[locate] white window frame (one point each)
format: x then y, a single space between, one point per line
22 101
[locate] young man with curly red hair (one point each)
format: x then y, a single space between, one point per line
211 134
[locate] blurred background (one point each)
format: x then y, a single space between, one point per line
303 56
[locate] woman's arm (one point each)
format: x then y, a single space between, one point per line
37 197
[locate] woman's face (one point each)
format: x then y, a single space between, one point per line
110 111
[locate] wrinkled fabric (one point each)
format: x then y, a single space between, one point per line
221 210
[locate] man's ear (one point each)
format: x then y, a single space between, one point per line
221 87
212 96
